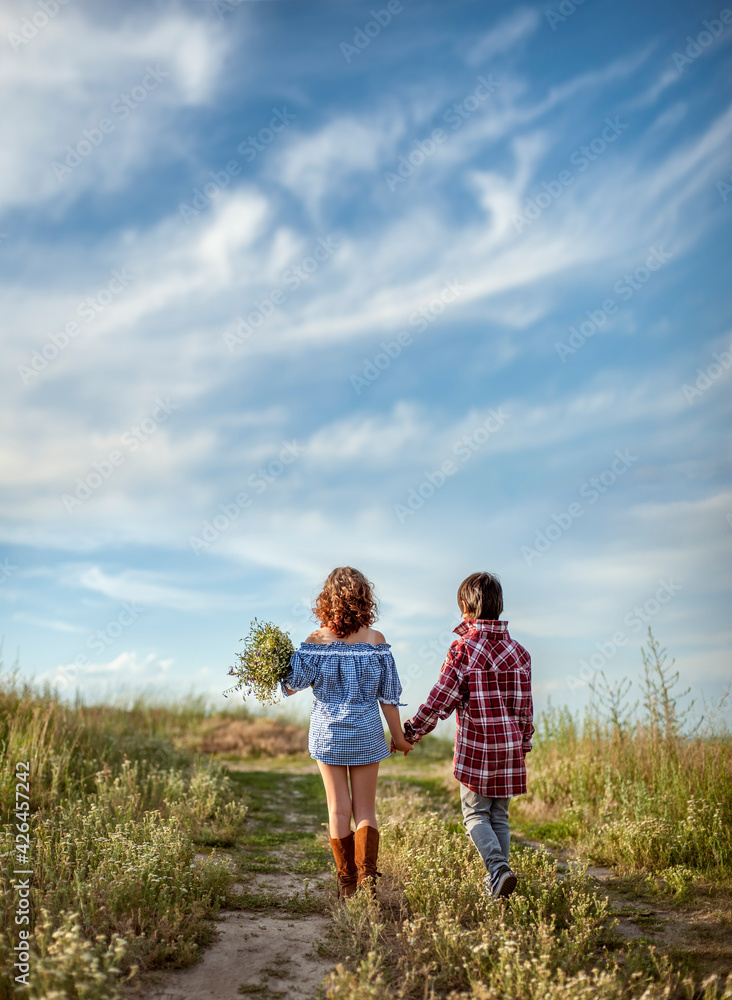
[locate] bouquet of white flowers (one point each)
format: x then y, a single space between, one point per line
263 662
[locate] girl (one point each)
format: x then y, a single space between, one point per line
351 671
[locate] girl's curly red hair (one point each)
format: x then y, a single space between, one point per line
346 603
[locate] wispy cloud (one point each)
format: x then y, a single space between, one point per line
505 36
146 587
80 71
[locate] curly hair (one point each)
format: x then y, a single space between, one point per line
346 603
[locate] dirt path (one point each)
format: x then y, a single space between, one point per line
269 939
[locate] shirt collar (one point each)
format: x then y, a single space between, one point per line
482 625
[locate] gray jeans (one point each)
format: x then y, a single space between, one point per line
486 820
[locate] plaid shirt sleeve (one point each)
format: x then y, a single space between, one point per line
448 693
520 706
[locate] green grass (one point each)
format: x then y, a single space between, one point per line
646 793
436 934
119 814
138 840
630 803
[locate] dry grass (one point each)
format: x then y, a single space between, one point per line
115 815
634 792
252 738
630 802
120 799
435 934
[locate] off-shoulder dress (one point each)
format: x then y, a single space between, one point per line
349 680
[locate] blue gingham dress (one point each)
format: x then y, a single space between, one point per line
348 680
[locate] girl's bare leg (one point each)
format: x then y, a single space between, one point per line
337 793
363 794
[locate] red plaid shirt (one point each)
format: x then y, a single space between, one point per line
486 680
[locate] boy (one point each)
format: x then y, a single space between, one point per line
486 680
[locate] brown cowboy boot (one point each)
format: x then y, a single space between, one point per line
342 848
366 852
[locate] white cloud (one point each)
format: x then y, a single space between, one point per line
666 78
373 441
128 673
68 78
506 35
236 251
54 626
147 588
319 165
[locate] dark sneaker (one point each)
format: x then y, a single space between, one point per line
502 882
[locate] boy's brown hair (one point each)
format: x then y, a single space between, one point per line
346 602
483 596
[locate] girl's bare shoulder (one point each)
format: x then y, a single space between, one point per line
321 636
324 636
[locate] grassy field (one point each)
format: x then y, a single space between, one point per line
141 819
123 833
614 788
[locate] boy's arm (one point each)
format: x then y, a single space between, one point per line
525 714
444 697
516 687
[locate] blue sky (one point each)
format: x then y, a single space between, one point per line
288 286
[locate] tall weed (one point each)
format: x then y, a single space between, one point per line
638 795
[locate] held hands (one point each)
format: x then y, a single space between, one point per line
401 744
